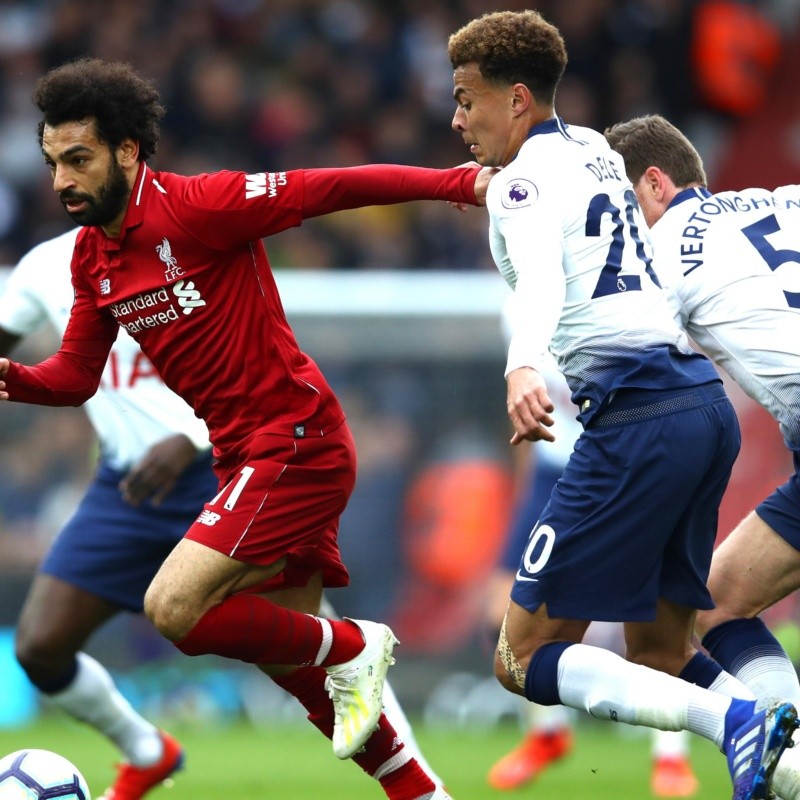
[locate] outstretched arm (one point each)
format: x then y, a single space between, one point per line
328 190
226 209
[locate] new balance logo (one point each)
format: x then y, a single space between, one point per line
189 298
105 286
208 518
260 183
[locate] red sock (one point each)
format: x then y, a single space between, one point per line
407 782
307 684
347 643
258 631
383 749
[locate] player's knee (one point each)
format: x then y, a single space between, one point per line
706 620
36 652
168 614
507 667
504 676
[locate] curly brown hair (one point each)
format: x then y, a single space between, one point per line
653 141
123 104
513 47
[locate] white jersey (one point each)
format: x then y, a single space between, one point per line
132 409
564 234
731 263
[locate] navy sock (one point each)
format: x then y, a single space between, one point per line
541 679
700 670
737 641
60 682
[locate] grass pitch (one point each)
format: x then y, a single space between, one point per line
238 761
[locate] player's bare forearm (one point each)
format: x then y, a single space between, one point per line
482 179
529 406
154 475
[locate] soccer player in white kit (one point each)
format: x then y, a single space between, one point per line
628 532
153 476
731 264
548 735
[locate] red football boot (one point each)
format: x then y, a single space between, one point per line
133 782
525 762
673 777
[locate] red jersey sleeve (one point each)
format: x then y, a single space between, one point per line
72 375
228 208
327 190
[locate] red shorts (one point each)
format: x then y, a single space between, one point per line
285 500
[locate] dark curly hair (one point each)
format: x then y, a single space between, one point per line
512 47
123 104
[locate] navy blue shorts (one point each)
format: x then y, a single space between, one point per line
634 517
537 493
781 510
113 550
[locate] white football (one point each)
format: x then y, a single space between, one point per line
40 775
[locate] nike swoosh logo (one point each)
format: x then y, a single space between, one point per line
525 578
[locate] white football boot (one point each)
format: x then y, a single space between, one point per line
356 688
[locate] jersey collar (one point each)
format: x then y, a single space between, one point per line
552 125
688 194
137 203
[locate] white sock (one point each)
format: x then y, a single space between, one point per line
670 744
93 698
609 687
675 744
771 678
395 714
786 778
726 684
547 719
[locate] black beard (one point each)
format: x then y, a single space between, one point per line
107 205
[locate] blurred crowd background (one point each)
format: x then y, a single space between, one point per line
285 84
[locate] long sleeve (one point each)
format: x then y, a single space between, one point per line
72 375
228 209
536 308
68 378
528 250
328 190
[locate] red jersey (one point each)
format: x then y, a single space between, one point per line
189 279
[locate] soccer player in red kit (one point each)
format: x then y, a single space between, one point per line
178 262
